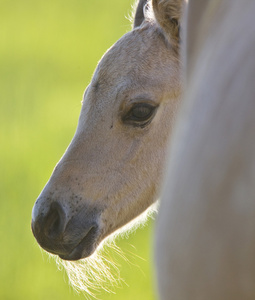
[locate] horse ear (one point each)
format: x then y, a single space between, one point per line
139 14
168 15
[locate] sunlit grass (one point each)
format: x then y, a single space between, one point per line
48 52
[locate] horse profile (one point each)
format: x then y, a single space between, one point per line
112 171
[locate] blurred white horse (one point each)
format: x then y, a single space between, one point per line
205 239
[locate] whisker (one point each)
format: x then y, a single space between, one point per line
100 271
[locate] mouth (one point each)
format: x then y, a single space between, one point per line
86 246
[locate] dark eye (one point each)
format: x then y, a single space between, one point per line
140 114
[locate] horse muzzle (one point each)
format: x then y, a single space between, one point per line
70 238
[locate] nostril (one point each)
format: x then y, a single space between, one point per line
55 221
48 228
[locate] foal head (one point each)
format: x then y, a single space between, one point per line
112 169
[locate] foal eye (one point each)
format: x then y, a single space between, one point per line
140 114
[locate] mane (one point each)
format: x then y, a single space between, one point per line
99 271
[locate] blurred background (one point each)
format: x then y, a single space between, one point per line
48 51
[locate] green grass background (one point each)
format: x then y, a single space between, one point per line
48 51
